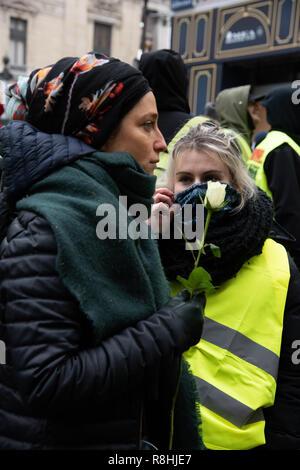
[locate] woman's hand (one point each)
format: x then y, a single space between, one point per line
161 213
164 195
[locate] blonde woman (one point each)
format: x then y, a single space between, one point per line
247 380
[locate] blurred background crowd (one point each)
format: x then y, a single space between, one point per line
223 43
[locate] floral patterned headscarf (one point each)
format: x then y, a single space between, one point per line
84 97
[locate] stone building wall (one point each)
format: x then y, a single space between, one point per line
57 28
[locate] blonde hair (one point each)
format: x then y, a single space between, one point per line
209 137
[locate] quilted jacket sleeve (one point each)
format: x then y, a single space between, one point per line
48 338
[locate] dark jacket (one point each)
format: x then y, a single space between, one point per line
167 75
58 390
282 165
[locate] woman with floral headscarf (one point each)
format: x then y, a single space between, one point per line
93 341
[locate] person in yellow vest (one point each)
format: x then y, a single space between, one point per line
239 109
275 163
246 364
260 125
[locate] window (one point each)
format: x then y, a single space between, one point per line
102 38
18 29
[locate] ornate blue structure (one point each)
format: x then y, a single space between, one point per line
255 42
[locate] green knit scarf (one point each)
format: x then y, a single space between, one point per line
116 281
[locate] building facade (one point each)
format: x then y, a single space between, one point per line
231 43
35 33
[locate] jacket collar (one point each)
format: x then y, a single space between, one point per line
30 155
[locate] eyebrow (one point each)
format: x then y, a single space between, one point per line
208 172
149 115
183 173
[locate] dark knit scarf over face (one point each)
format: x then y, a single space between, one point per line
240 235
82 97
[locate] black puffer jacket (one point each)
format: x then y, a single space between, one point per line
58 390
50 373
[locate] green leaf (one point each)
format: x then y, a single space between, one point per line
215 250
198 281
199 274
186 284
210 289
198 277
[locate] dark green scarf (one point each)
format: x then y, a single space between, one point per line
116 282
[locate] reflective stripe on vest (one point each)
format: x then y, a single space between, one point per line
235 363
255 165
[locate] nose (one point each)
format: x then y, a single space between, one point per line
160 143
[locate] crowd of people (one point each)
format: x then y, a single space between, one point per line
106 347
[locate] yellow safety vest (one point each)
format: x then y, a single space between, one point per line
235 363
255 165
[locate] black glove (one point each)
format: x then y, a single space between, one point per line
191 312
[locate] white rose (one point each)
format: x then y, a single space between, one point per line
215 195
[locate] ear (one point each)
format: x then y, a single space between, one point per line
254 111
